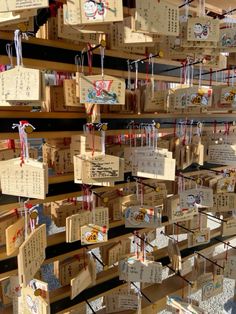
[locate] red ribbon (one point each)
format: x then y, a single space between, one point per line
11 144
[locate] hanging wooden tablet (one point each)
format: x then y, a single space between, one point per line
161 168
222 154
228 97
116 42
185 306
5 222
199 237
89 142
18 5
224 202
174 255
142 217
98 89
177 213
30 302
5 291
31 255
230 269
203 29
9 19
20 84
200 197
69 268
121 301
69 32
86 168
60 210
98 216
128 36
91 234
228 227
113 252
70 97
103 166
227 38
212 287
29 179
155 101
135 270
84 279
192 96
161 18
226 185
15 236
91 12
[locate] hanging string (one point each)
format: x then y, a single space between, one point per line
147 71
200 75
136 74
233 77
25 207
102 52
202 8
9 53
186 10
103 142
192 74
23 139
151 59
82 60
129 76
18 47
90 59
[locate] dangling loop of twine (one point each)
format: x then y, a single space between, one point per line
90 59
202 7
18 47
129 76
151 61
102 51
9 53
136 74
200 75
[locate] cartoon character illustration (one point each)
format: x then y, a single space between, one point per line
199 198
142 215
208 289
93 236
230 96
94 9
101 93
191 201
199 98
226 41
32 305
201 31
